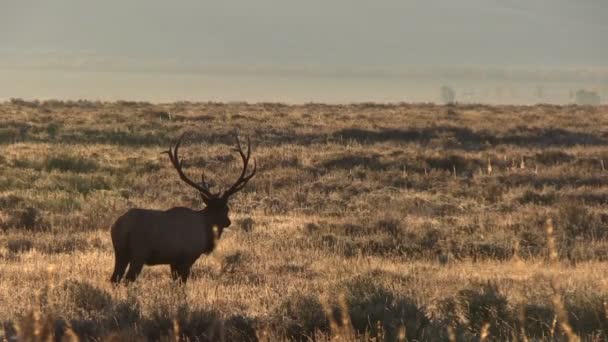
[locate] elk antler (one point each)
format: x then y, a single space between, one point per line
177 163
243 178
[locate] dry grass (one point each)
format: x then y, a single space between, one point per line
369 221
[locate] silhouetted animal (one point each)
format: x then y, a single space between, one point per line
178 236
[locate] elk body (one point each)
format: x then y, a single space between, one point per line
178 236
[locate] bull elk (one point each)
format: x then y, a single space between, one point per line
178 236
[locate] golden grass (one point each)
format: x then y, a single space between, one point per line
368 222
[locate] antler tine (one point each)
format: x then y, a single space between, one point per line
243 178
248 148
205 184
178 164
246 179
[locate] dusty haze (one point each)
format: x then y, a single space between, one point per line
343 51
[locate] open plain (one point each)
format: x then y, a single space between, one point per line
364 221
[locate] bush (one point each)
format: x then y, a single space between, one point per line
370 304
9 135
28 218
27 164
10 201
70 164
34 327
53 128
538 320
532 242
390 226
246 224
300 316
553 157
587 314
85 299
477 306
157 114
240 328
450 161
531 196
83 184
194 325
431 239
311 228
576 221
68 244
19 245
232 262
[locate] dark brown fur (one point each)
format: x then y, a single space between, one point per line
178 237
175 237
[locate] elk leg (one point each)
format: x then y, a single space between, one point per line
134 270
184 271
120 266
174 272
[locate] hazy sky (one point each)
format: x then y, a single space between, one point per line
313 32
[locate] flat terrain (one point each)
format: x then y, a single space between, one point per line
367 221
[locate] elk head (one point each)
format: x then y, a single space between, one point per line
216 204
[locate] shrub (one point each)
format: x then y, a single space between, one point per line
9 135
53 128
19 245
36 327
147 167
370 304
83 184
71 164
240 328
232 262
575 220
16 101
538 320
431 238
10 201
353 229
349 162
311 228
27 164
300 316
451 161
390 226
477 306
194 325
246 224
62 245
531 196
587 314
553 157
158 114
532 242
85 299
126 312
28 218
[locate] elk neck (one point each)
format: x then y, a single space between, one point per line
213 222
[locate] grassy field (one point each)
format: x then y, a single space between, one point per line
367 221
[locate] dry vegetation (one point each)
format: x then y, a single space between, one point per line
367 221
